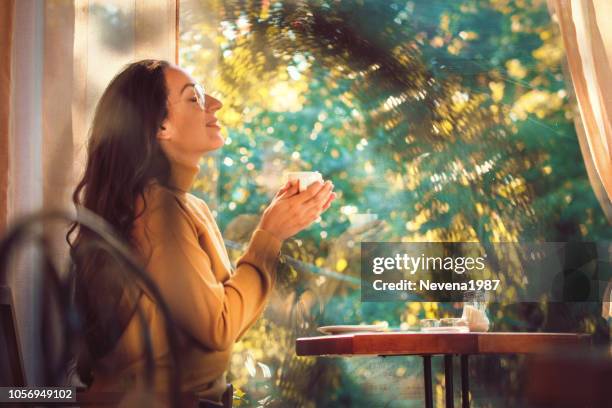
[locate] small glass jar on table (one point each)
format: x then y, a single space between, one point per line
475 311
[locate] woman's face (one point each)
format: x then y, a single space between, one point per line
189 131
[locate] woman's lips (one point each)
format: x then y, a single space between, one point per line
214 123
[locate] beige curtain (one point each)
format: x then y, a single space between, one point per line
587 35
56 58
108 35
6 39
57 80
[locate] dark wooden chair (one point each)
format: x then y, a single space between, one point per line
57 295
570 378
12 373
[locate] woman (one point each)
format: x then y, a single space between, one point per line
151 127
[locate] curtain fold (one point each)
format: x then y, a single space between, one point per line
57 80
7 12
59 55
108 35
587 37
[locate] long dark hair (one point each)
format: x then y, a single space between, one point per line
123 156
123 153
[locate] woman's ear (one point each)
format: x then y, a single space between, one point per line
163 133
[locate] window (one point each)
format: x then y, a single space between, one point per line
437 121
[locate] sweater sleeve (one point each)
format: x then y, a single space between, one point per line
214 313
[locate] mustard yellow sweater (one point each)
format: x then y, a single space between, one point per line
182 248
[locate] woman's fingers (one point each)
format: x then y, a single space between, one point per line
289 190
331 198
286 186
316 208
310 192
316 205
321 197
283 189
292 211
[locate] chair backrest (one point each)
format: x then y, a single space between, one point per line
11 363
60 317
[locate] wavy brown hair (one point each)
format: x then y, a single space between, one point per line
123 156
123 153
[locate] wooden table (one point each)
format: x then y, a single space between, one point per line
446 344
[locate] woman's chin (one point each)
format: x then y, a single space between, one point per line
221 141
216 139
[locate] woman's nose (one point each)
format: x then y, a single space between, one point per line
212 103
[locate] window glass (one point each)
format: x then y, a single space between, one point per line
441 120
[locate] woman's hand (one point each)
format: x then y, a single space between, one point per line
291 211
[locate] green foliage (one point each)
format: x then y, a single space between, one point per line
450 120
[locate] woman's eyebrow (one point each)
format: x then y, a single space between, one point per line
186 86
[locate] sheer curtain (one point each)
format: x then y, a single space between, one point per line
108 35
587 36
6 39
56 58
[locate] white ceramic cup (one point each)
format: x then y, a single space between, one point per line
306 178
